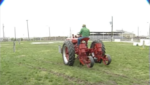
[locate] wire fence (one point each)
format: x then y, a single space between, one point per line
62 38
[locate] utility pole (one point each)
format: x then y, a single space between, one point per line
112 29
103 35
138 34
149 30
49 33
3 33
70 32
15 32
122 34
28 30
132 36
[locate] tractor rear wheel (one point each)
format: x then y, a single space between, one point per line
68 53
103 48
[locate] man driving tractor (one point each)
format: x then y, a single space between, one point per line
84 33
74 46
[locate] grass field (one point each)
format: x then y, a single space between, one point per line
43 65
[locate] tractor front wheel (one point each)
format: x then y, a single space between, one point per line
91 63
107 60
68 53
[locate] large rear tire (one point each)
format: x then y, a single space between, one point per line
68 53
103 48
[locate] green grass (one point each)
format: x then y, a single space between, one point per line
43 65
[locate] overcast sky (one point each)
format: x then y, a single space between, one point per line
61 15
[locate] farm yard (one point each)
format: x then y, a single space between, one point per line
42 64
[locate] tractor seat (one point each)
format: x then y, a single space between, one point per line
85 39
75 40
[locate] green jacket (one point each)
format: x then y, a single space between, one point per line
85 32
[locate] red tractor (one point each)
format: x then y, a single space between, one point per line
86 55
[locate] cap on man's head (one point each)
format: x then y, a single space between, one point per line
83 25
